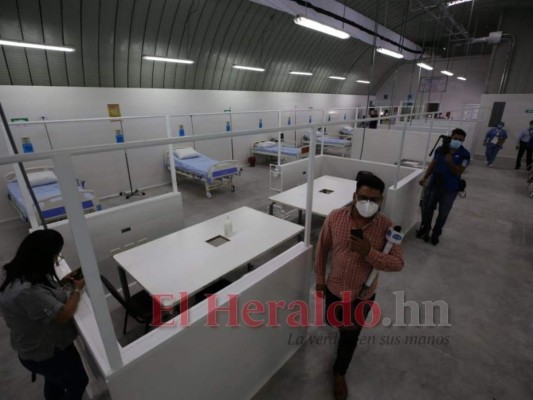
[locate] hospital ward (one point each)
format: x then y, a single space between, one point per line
257 200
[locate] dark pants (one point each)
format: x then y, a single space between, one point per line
444 199
64 375
348 336
491 151
524 148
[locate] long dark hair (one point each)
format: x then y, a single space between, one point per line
34 260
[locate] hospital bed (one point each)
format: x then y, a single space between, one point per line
48 193
330 142
270 149
346 131
212 173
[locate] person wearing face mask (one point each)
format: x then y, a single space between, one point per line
449 162
493 142
525 145
352 262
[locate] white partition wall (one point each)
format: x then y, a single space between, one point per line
401 199
199 362
123 227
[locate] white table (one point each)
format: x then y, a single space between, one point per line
184 262
341 194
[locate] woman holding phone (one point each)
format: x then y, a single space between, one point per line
39 313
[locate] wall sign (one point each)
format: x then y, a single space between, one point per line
433 84
113 110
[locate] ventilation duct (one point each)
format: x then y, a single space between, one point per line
334 14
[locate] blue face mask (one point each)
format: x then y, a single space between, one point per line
455 144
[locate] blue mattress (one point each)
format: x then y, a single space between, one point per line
44 192
331 140
346 131
287 150
199 166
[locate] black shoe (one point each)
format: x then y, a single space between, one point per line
426 238
421 233
434 241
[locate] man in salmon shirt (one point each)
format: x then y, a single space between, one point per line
353 260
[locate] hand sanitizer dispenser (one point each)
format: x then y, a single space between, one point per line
228 227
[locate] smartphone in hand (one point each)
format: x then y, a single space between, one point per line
358 233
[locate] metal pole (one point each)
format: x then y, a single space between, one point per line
279 139
171 164
400 155
427 144
310 182
84 246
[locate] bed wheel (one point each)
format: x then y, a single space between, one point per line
209 195
232 188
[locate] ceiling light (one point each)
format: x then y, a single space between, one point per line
164 59
317 26
455 2
340 78
446 73
249 68
301 73
362 81
461 78
388 52
425 66
17 43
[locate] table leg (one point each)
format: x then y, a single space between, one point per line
271 208
300 217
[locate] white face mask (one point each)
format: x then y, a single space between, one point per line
366 208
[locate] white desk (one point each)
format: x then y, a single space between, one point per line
184 262
323 203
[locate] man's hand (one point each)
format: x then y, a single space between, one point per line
361 246
423 182
320 289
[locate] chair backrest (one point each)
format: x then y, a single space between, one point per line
114 292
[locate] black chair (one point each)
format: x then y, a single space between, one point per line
139 306
211 289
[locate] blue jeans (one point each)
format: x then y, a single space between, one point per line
64 375
491 152
444 198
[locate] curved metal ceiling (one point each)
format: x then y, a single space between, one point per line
111 36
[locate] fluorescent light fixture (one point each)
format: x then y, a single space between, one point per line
340 78
362 81
317 26
455 2
29 45
172 60
425 66
257 69
446 72
389 53
301 73
461 78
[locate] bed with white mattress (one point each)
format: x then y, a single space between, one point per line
212 173
46 188
344 144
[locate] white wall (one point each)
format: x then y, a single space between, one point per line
515 117
457 92
200 362
106 173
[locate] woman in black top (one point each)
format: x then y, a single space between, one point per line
39 313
